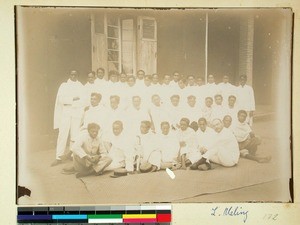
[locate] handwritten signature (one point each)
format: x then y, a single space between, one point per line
230 211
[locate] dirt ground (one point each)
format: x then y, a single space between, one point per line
49 186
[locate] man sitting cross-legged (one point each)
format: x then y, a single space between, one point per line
188 144
246 138
147 148
169 147
223 150
89 155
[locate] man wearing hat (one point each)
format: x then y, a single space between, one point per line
89 155
148 149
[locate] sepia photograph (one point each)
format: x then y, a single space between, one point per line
153 105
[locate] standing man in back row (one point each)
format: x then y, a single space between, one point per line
68 113
246 101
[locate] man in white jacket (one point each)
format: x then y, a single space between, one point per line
223 150
246 101
68 112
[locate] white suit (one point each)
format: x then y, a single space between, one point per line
68 113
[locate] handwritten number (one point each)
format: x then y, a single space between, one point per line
270 216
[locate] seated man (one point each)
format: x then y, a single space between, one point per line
95 113
246 138
204 134
218 110
158 113
227 121
207 109
169 146
89 155
223 150
120 147
188 146
147 148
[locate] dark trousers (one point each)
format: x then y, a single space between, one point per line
250 144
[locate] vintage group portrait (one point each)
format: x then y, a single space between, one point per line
151 105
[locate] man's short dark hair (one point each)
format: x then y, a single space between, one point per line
218 95
115 96
113 73
209 98
98 95
101 69
202 119
231 96
242 112
93 126
147 123
164 123
175 96
185 120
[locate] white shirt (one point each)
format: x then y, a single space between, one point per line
159 114
218 112
97 114
134 117
169 146
89 89
227 89
65 105
192 113
246 99
210 90
205 139
241 131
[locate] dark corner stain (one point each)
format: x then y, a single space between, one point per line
22 191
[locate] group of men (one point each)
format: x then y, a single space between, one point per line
144 124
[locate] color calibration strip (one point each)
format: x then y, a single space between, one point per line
141 214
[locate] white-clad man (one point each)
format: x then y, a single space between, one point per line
176 111
169 147
120 147
226 89
224 149
189 153
158 113
147 147
95 113
192 111
211 88
140 78
176 78
246 99
166 89
69 105
218 110
232 108
114 112
207 109
130 91
90 87
135 114
204 134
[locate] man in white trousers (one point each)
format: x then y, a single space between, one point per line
246 100
223 150
68 112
